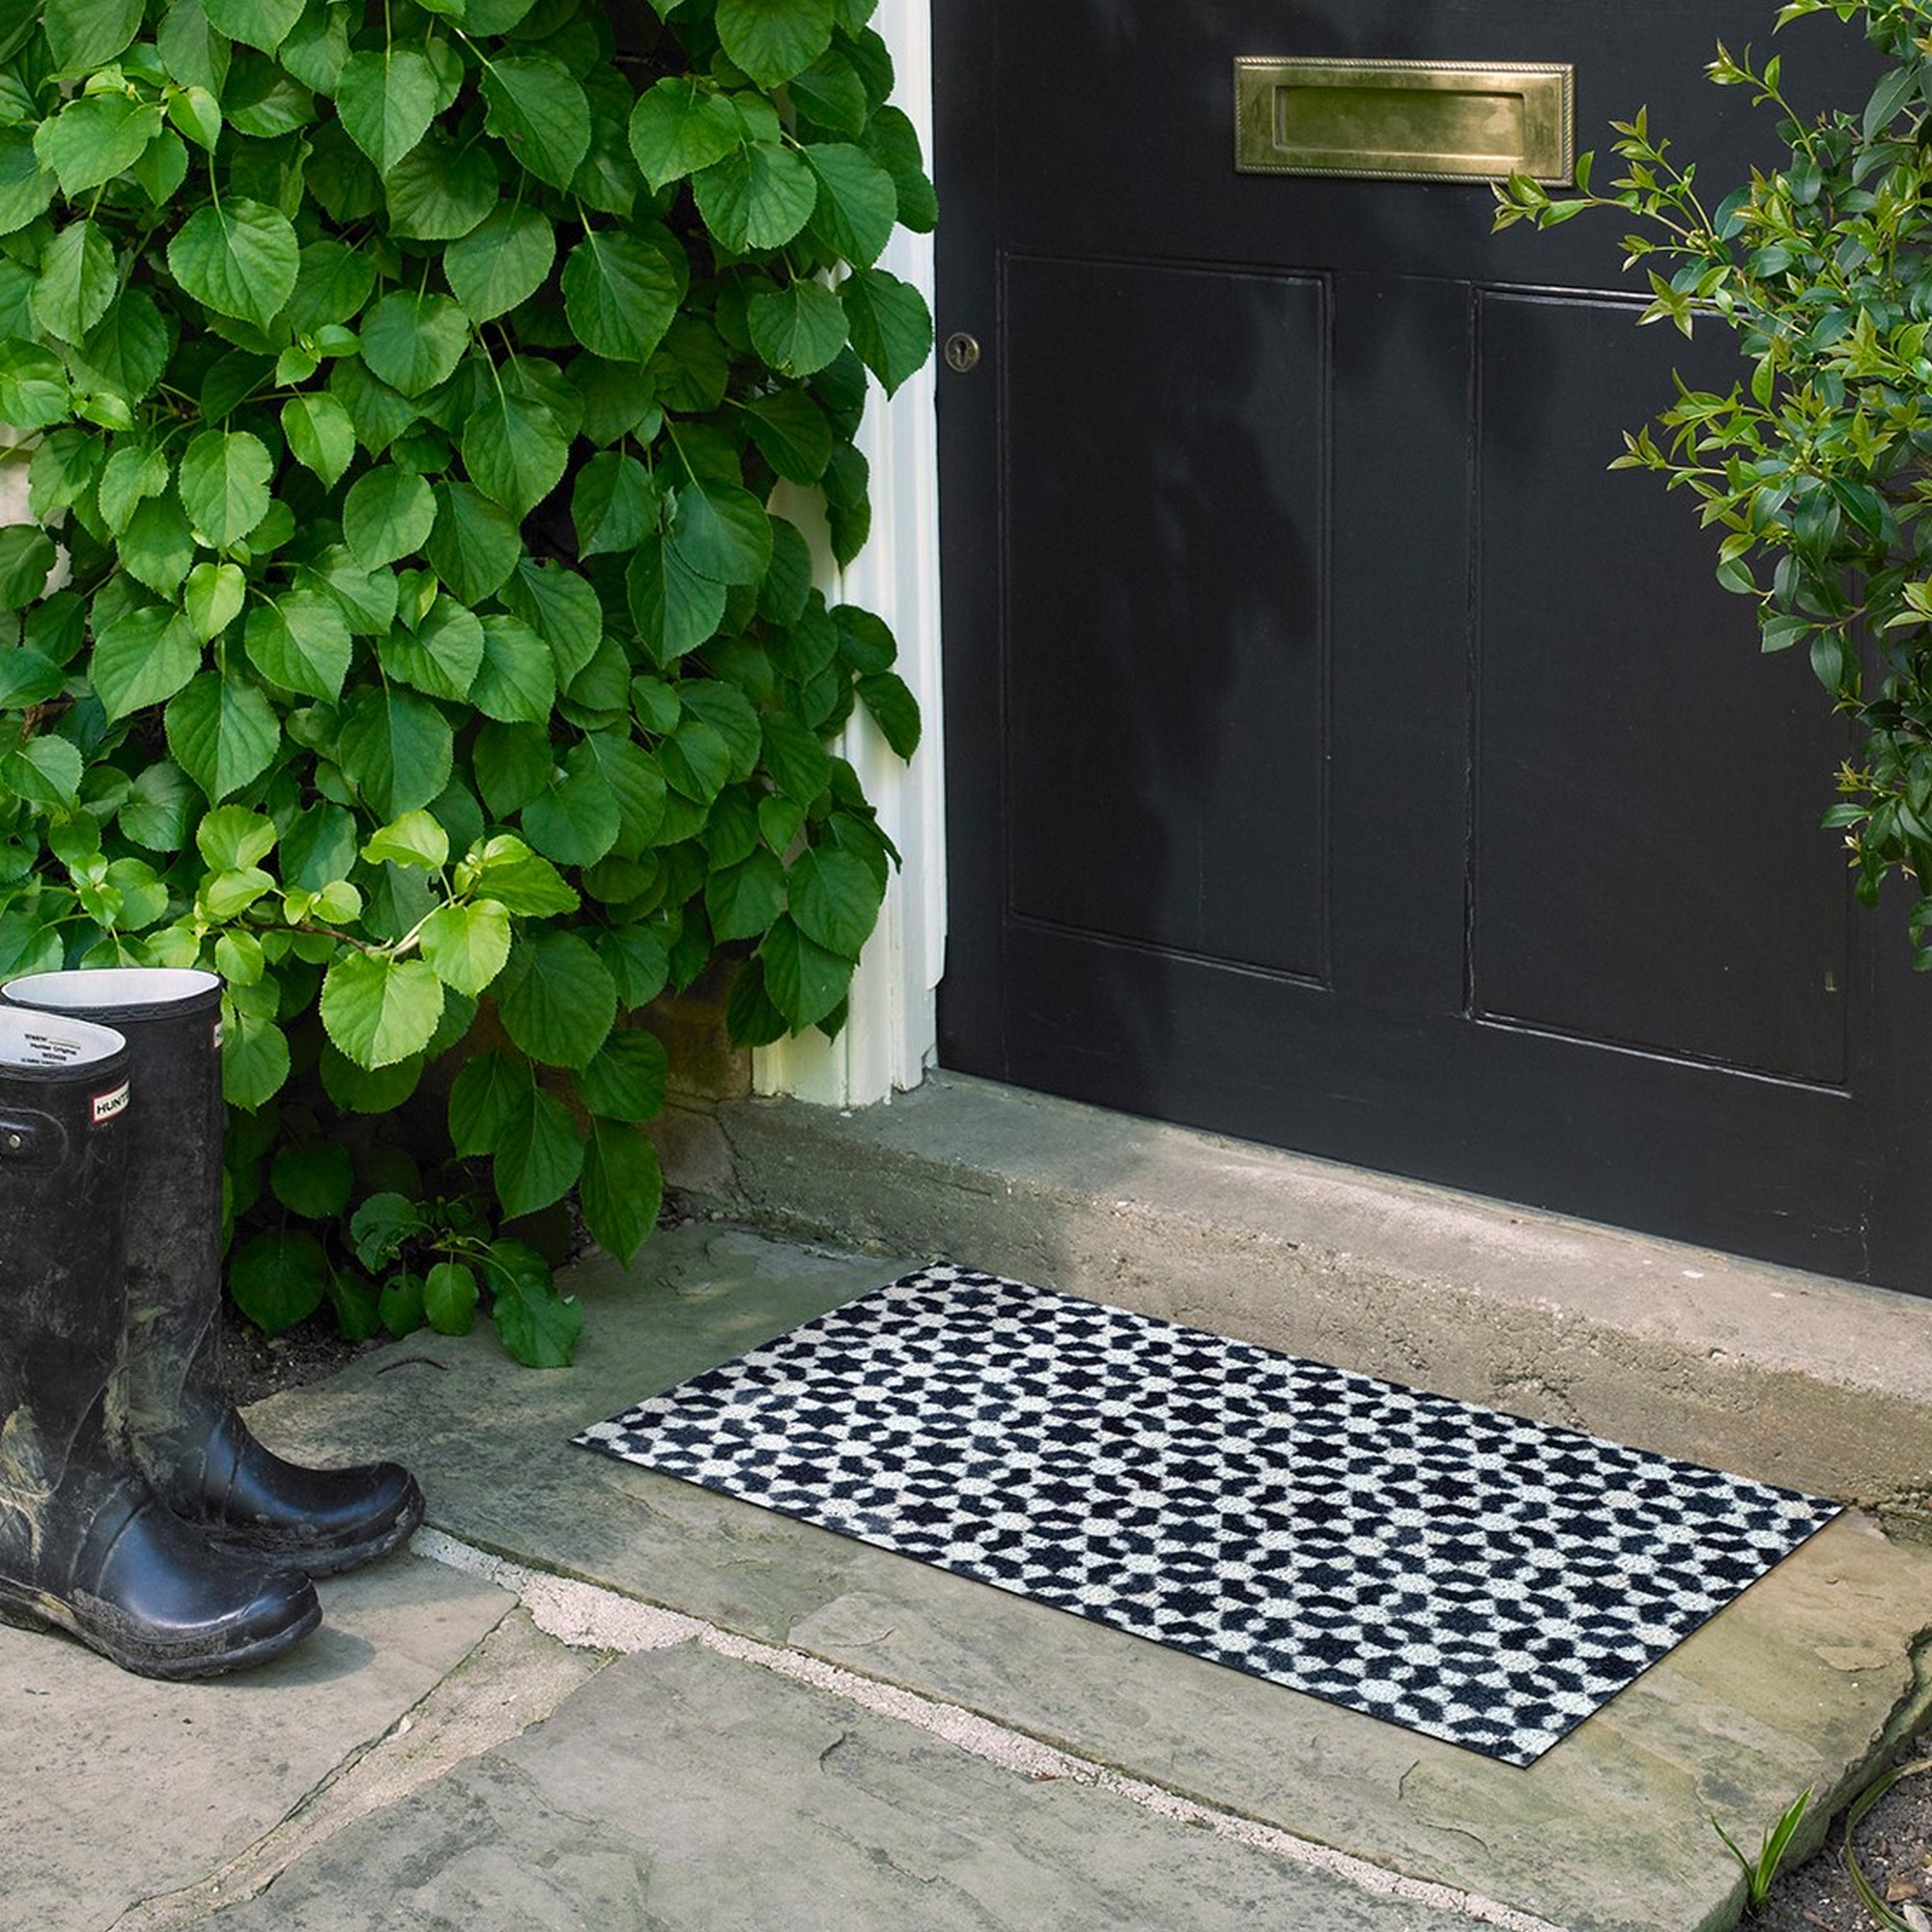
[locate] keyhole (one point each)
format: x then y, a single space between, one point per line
962 353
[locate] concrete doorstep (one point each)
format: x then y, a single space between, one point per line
1819 1385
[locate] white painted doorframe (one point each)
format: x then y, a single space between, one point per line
889 1041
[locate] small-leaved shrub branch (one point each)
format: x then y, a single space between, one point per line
1816 468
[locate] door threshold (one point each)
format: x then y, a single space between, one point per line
1792 1377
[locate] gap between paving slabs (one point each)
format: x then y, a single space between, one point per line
577 1614
583 1616
119 1789
515 1677
565 1632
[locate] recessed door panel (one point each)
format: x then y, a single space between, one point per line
1648 865
1163 658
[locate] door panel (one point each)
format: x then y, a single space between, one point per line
1342 755
1644 873
1167 718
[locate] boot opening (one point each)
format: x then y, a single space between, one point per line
113 990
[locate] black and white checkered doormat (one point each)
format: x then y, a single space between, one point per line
1463 1574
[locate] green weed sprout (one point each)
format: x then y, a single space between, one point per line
1761 1873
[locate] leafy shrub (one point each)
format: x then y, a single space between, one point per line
1817 469
421 650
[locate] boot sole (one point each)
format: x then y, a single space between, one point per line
330 1560
34 1610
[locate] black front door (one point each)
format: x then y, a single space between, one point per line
1341 755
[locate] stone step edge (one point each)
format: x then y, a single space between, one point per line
1820 1384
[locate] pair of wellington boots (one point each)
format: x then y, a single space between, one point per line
136 1510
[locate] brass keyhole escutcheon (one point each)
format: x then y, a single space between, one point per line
962 353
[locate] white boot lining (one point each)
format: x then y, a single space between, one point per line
112 989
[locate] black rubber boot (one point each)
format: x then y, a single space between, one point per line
85 1546
186 1433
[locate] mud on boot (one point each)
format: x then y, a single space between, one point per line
85 1546
187 1436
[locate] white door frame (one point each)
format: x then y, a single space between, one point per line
890 1039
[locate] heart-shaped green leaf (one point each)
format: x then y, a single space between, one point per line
622 1192
501 263
386 101
223 733
558 999
224 484
772 42
412 342
239 258
387 514
538 108
320 436
467 945
620 294
76 282
300 641
379 1011
680 127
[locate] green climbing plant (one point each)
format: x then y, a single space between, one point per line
407 630
1814 470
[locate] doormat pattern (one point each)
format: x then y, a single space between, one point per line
1467 1575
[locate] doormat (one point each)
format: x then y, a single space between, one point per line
1463 1574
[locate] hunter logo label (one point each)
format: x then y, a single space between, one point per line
218 1037
107 1105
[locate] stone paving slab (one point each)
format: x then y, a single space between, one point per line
1799 1684
514 1678
682 1792
115 1788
